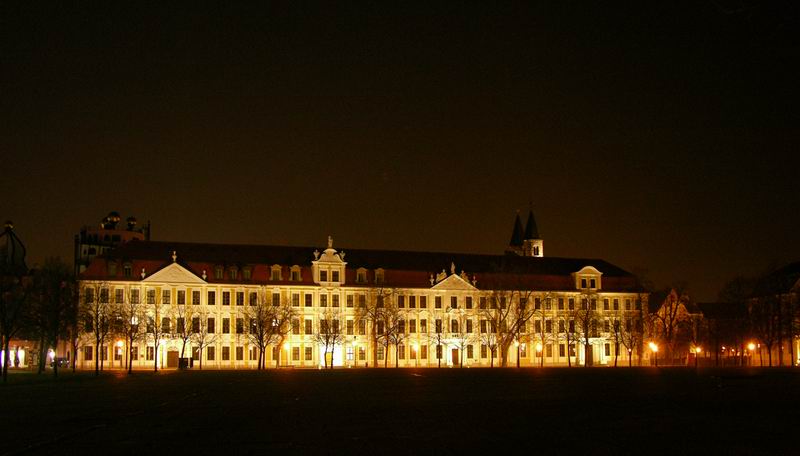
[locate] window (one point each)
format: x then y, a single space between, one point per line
240 298
210 325
469 351
594 304
296 300
180 325
548 326
150 354
195 298
112 268
253 298
583 283
334 276
401 351
134 296
560 303
423 326
362 301
309 327
627 304
165 325
548 304
195 324
438 352
616 304
571 303
226 298
401 302
211 353
412 354
483 326
537 326
379 276
362 354
295 326
218 272
323 300
275 273
412 326
401 326
608 349
606 326
561 350
276 299
438 302
323 276
606 305
548 350
350 327
118 296
380 352
482 302
309 353
181 297
240 326
233 273
561 326
212 298
247 273
423 302
127 270
453 302
104 295
239 353
469 326
537 303
362 327
468 302
423 352
349 300
484 351
88 353
226 353
361 276
309 299
253 352
335 300
412 302
438 326
295 274
453 326
592 283
226 326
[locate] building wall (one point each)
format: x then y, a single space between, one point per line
356 350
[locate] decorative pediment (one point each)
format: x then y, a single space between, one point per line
454 282
589 270
174 273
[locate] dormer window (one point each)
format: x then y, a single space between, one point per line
379 278
218 272
247 273
127 270
588 278
592 283
295 274
334 276
233 273
361 275
275 273
323 276
112 268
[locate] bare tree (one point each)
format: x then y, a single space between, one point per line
204 333
671 320
765 321
630 335
54 306
371 313
15 290
282 315
99 312
462 332
329 333
566 328
585 317
184 313
131 314
507 311
438 338
158 322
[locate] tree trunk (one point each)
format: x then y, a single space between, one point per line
6 358
55 360
616 353
155 358
97 357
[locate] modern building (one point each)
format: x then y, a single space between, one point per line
97 240
440 309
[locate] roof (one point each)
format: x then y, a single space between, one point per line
516 234
722 310
403 268
12 252
531 230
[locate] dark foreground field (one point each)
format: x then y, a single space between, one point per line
595 411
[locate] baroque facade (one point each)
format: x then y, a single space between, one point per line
430 309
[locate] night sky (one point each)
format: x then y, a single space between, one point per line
660 137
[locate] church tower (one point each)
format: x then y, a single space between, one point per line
527 242
532 245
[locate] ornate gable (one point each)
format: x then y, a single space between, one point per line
174 273
454 282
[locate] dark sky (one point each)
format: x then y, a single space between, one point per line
660 136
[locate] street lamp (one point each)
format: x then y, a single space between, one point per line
516 344
751 346
654 349
539 351
415 347
697 351
119 352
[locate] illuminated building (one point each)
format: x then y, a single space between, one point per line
441 302
93 241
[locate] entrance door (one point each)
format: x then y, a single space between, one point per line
590 356
172 358
455 356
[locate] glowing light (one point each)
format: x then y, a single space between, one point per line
119 343
539 347
698 350
751 346
516 343
51 354
653 347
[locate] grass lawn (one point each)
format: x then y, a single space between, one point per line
594 411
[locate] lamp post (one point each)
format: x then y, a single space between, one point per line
697 351
415 348
751 346
516 344
119 352
654 349
539 351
